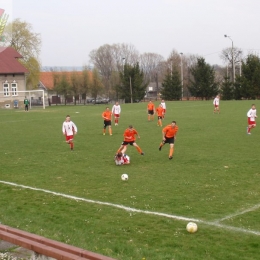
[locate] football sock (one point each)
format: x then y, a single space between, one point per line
110 131
138 149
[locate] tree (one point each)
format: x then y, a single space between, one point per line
96 86
62 85
250 79
20 36
202 82
228 54
227 90
84 83
109 58
171 86
133 88
75 78
149 63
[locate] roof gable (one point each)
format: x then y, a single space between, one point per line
9 63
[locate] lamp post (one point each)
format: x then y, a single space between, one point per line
181 76
233 62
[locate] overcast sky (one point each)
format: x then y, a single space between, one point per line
71 29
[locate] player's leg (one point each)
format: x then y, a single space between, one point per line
161 145
139 150
171 151
104 128
110 129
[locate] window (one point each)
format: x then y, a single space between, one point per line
6 90
14 89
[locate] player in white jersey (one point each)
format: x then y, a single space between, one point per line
164 108
251 116
69 129
121 159
116 110
216 104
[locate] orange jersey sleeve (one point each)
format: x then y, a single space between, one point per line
169 131
129 136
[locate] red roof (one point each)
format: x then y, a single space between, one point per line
46 78
9 63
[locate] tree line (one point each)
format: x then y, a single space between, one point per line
120 72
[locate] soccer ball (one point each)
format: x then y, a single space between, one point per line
124 177
192 227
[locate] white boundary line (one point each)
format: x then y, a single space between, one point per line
215 223
257 206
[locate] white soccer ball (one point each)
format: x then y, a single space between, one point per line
124 177
192 227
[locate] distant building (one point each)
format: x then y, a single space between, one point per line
12 78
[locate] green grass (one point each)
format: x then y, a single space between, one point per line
215 173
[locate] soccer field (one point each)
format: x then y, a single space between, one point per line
79 198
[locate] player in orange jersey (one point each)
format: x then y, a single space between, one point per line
107 114
160 114
150 108
169 135
129 138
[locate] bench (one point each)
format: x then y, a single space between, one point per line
47 247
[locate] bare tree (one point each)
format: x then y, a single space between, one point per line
96 86
109 58
227 56
149 64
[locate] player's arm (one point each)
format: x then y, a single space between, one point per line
163 134
75 129
63 129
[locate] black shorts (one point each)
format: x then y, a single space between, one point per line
126 143
169 140
107 123
159 117
150 112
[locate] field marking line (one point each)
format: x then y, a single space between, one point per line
215 224
257 206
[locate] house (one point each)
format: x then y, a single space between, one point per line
46 83
153 91
12 78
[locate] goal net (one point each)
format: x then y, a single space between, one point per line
15 99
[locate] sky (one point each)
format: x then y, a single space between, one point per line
71 29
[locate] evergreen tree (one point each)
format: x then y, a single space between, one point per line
133 88
203 83
171 86
227 90
250 79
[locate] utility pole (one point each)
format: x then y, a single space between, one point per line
233 62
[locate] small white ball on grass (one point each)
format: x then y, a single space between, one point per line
192 227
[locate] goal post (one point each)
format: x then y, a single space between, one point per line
15 99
